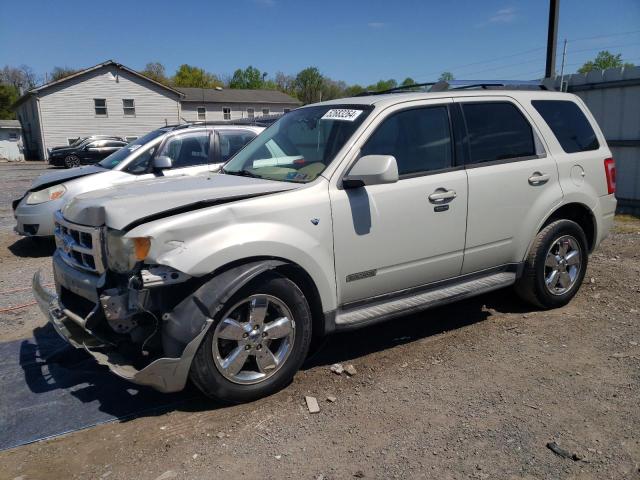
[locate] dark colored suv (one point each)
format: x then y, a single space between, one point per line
88 151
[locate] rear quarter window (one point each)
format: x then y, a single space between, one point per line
568 124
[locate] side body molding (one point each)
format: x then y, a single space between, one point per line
195 313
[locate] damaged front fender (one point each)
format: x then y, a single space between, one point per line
192 315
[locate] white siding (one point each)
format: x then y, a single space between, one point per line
10 149
67 110
189 110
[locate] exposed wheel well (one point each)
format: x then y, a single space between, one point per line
579 213
300 277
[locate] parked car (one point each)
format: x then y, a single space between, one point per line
87 152
340 215
79 140
191 149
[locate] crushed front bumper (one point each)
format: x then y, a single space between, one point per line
163 374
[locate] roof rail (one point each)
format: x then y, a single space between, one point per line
488 84
443 85
261 121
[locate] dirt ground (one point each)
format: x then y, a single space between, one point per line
472 390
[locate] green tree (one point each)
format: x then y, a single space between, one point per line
190 76
285 83
445 77
383 85
604 60
250 77
8 95
156 71
408 81
60 72
332 89
353 90
309 85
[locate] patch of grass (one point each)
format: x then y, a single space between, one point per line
626 224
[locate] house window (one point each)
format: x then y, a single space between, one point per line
129 107
202 113
265 111
13 136
226 113
100 105
251 113
286 110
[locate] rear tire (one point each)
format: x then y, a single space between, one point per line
269 349
555 266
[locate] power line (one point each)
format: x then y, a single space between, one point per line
603 36
603 48
571 40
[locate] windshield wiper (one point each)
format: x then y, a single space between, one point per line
241 173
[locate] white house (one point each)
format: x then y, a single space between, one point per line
209 104
10 140
107 99
112 99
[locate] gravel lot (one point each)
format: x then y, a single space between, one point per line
472 390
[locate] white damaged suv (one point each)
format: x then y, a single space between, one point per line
339 215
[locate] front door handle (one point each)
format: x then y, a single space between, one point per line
442 195
539 178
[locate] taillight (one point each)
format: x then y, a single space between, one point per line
610 171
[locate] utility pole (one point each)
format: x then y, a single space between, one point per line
552 37
564 54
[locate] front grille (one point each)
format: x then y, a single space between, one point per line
79 245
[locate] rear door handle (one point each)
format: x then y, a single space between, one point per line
539 178
442 195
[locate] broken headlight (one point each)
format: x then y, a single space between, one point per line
46 194
123 253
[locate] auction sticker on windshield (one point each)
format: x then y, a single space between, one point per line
345 114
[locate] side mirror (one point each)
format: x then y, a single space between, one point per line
162 162
372 170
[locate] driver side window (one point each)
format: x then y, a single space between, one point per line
419 139
187 149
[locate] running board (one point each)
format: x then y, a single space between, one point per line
381 310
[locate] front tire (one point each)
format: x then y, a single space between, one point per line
71 161
556 265
257 343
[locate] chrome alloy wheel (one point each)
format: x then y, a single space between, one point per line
254 339
562 265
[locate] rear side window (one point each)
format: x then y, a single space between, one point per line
232 141
419 139
187 149
497 131
568 124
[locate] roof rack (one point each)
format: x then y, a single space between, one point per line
262 121
442 86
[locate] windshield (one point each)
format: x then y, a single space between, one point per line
299 146
117 157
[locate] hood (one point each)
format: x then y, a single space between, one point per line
58 176
125 206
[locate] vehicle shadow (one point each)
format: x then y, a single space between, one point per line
349 345
50 376
55 371
33 247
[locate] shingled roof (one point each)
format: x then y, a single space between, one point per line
236 95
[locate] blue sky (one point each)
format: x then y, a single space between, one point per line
351 40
